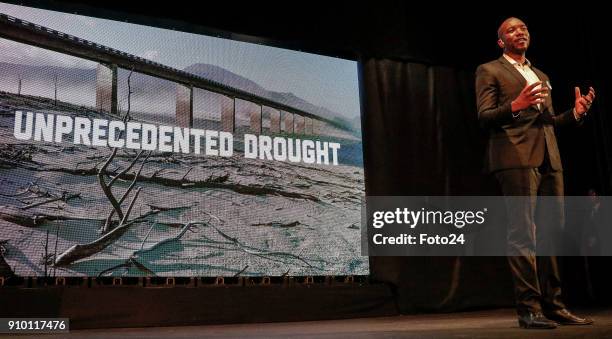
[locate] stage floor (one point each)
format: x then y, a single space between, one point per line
481 324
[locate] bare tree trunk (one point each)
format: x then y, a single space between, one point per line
111 232
55 87
46 255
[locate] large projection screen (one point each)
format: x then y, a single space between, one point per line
129 150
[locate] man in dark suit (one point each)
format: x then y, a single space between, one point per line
515 107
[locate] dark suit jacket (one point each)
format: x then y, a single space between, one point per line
516 142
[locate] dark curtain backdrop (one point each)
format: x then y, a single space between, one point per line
422 138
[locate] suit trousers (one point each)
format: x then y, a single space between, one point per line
537 281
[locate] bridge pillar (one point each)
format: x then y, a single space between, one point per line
184 105
106 88
256 115
299 124
288 117
228 115
308 126
275 121
318 127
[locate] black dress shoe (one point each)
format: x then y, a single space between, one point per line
565 317
535 320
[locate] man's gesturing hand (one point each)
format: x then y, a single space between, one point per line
583 102
530 96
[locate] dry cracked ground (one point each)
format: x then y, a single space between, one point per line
191 215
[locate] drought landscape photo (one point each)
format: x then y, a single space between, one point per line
72 208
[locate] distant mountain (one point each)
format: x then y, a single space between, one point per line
221 75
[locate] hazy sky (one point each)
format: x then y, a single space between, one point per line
321 80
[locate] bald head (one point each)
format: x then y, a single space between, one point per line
504 25
513 36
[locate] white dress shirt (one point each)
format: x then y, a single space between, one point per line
526 72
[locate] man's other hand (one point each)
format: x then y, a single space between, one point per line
583 102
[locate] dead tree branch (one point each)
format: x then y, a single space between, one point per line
241 271
106 189
64 197
110 183
132 261
78 252
108 223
